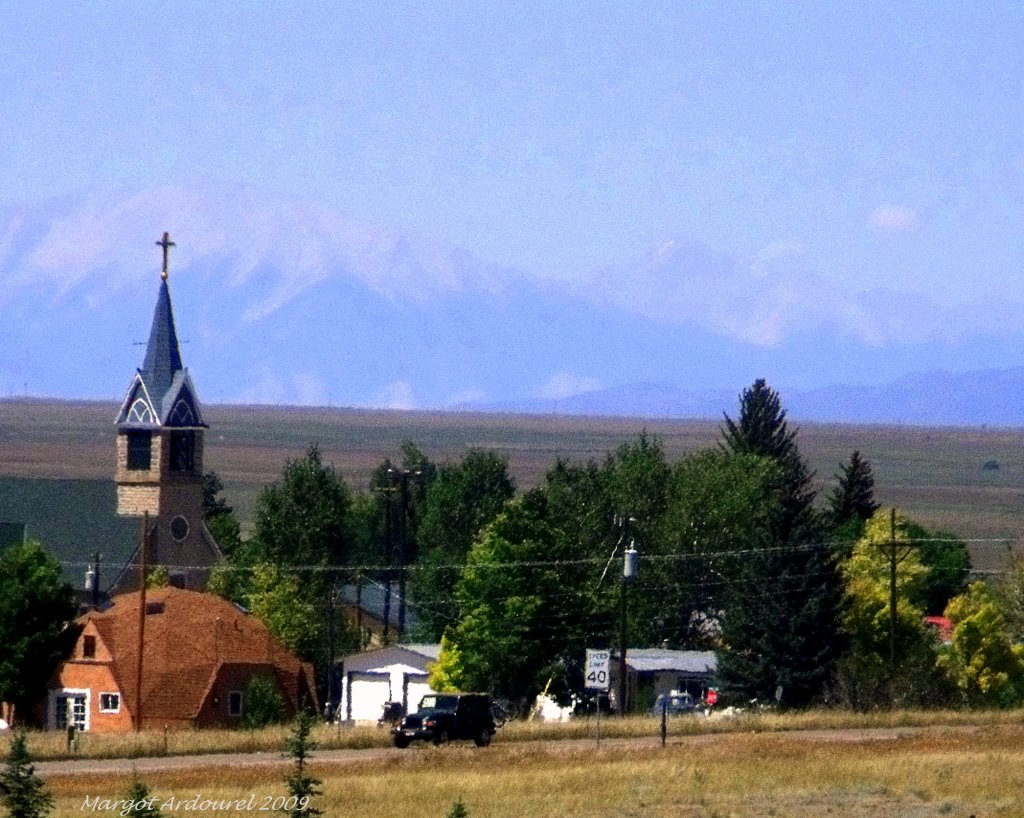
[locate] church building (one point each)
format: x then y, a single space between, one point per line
159 473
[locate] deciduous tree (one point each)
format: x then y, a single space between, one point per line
304 520
512 596
718 508
462 499
35 607
982 661
1011 592
867 675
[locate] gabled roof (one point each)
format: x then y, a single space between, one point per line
411 655
189 638
161 392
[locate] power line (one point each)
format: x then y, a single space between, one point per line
597 560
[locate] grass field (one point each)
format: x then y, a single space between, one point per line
757 767
936 475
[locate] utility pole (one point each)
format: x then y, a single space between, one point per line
387 491
892 593
144 547
896 556
403 539
629 560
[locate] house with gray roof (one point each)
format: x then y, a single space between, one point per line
651 672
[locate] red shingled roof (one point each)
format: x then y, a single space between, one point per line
190 638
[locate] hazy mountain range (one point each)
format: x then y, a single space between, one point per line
284 301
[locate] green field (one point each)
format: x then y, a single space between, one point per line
936 475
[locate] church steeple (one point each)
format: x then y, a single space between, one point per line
162 393
160 454
163 356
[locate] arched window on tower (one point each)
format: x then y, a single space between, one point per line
182 414
140 412
183 450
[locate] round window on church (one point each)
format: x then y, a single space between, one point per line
179 528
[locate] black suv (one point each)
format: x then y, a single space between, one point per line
445 716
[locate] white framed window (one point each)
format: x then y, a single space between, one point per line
235 703
69 706
110 702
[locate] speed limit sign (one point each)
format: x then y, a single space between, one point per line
595 670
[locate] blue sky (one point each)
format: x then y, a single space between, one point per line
877 144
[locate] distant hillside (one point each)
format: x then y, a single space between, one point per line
983 398
281 301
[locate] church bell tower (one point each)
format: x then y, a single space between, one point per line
159 472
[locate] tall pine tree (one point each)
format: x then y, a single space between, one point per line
762 430
853 498
781 620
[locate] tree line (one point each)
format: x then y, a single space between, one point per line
737 554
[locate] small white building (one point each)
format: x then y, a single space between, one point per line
397 673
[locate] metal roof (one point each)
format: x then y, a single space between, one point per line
650 660
413 655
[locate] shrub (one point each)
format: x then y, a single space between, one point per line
264 704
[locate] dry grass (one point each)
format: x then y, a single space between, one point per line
956 772
51 745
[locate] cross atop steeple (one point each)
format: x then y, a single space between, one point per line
167 244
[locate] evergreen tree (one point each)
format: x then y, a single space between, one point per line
853 499
762 430
219 517
458 810
301 785
143 804
780 626
21 790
